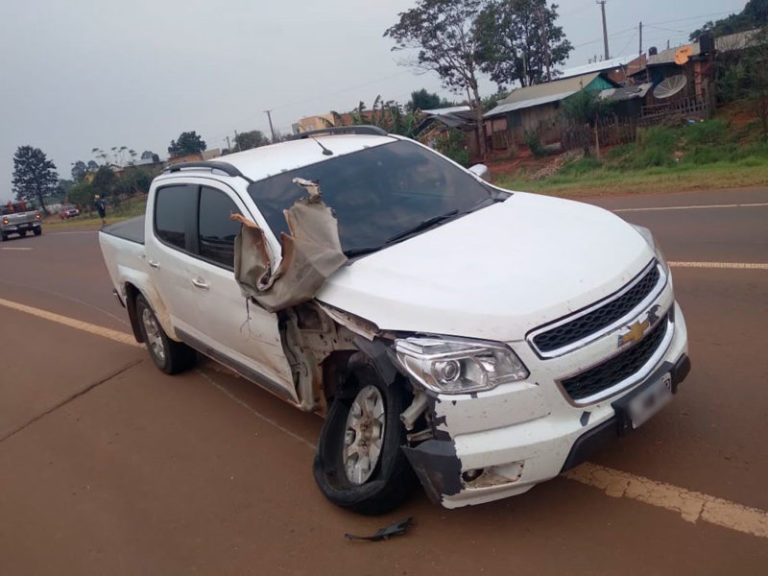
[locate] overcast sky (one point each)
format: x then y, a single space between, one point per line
80 74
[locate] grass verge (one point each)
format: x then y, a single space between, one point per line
605 181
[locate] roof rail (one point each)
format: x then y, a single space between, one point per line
225 167
359 129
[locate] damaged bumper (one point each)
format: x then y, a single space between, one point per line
465 464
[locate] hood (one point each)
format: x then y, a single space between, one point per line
496 273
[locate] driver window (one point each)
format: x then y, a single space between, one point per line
216 231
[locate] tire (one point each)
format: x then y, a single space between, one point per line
38 231
353 425
168 355
22 233
3 237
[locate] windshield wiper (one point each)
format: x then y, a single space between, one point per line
421 226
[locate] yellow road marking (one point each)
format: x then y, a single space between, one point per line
721 265
692 207
692 506
115 335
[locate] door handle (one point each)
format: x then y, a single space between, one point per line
153 263
200 283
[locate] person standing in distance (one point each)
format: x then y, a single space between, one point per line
101 208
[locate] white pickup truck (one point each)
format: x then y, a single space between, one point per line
478 340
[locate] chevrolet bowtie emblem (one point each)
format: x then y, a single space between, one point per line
637 330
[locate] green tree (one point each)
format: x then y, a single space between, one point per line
133 180
62 188
519 41
34 176
442 32
104 182
81 194
252 139
187 143
586 108
79 170
423 100
754 15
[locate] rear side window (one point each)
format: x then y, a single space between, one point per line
174 211
217 230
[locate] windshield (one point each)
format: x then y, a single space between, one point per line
379 194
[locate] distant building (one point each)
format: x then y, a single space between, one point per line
535 109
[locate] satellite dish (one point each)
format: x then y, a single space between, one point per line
670 86
683 54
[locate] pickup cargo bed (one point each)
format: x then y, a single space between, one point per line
132 230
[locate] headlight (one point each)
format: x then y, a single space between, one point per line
645 233
454 366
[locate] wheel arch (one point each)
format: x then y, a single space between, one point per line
132 292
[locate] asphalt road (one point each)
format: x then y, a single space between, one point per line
109 467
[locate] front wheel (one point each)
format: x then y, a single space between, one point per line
359 463
168 355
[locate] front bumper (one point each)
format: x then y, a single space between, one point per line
18 228
466 465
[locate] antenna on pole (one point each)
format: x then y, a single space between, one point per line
605 27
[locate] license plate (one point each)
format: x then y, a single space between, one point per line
649 400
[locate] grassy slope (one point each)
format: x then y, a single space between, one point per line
719 153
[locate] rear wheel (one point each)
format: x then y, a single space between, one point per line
22 233
359 464
38 231
168 355
3 237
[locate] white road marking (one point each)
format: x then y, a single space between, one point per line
721 265
692 506
692 207
18 249
115 335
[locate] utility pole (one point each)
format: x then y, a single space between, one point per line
605 27
229 146
640 50
271 129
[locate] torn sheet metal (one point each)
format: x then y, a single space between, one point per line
311 253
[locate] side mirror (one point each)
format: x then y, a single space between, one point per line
481 171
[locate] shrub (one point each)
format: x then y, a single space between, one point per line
710 132
533 142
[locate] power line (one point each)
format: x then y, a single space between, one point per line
689 18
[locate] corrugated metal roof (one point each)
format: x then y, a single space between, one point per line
541 94
448 110
668 56
602 66
505 108
626 92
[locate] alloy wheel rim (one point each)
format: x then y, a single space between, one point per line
152 331
364 435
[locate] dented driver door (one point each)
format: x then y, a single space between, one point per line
224 325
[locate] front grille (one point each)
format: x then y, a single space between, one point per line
616 369
598 319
